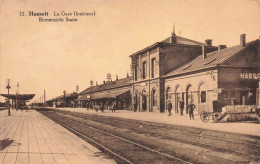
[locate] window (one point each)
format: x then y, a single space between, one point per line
233 94
189 93
203 93
153 97
152 67
203 96
225 94
144 70
168 94
135 72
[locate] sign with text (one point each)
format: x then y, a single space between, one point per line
250 76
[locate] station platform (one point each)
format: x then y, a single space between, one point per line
247 128
29 137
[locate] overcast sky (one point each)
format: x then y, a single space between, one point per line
58 56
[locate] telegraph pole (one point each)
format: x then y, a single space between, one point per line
64 92
8 87
44 96
17 92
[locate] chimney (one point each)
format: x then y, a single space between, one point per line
104 82
204 54
96 83
173 37
243 40
220 47
116 77
208 42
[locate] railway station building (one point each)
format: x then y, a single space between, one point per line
228 76
151 64
182 69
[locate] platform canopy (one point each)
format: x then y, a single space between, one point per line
19 96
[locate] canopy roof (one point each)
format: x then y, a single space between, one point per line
19 96
109 95
83 97
105 95
108 86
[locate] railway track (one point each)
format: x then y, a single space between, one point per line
250 150
157 156
235 144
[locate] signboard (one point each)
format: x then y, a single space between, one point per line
143 84
250 76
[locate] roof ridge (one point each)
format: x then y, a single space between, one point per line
190 40
213 59
243 49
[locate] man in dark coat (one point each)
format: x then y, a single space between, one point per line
169 108
191 108
114 106
181 105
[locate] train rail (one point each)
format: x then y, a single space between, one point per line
84 116
248 149
168 157
182 132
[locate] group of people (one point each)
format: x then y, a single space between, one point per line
101 106
190 106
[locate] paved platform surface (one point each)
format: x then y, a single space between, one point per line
29 137
248 128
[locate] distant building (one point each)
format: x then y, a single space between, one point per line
118 92
63 101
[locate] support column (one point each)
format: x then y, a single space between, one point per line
258 94
258 89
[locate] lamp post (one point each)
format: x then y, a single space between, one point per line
64 92
8 87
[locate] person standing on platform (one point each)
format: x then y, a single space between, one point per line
102 106
135 106
169 108
114 107
191 108
181 105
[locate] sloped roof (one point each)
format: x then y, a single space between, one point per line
213 59
179 40
68 95
109 95
83 97
19 96
108 85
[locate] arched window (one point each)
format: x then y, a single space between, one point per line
152 67
144 70
189 93
168 93
135 72
203 93
178 94
153 97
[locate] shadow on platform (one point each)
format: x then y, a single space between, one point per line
5 143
